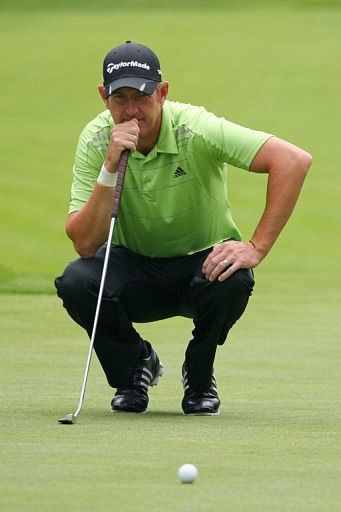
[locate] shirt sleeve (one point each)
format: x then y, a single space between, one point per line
228 142
87 165
240 144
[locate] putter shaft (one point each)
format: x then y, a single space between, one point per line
71 418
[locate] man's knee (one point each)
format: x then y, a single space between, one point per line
74 281
238 285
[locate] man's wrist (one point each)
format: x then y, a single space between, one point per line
107 178
260 250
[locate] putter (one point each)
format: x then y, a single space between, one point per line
122 166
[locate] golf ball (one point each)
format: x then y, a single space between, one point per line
187 473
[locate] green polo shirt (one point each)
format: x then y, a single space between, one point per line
174 200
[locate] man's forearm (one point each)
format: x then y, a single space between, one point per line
285 182
88 227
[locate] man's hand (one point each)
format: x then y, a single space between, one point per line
227 257
123 136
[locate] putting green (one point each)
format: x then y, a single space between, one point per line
273 447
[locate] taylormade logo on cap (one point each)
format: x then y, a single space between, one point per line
133 63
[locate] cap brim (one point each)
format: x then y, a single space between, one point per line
142 85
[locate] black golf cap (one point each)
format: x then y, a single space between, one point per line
131 65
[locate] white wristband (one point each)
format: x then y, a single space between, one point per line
106 178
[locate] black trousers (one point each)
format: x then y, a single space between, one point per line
141 289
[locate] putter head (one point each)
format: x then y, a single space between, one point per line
70 419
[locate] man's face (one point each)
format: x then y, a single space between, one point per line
126 104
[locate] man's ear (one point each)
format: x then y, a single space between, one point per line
163 92
101 90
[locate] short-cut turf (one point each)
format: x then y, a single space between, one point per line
274 445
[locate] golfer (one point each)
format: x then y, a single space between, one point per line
176 248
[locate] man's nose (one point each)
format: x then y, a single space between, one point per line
131 107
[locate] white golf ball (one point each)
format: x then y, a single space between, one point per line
187 473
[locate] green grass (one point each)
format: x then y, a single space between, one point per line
273 448
271 65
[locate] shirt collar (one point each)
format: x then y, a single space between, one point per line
166 142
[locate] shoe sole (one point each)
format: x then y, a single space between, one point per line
202 413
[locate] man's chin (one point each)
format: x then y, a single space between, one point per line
144 130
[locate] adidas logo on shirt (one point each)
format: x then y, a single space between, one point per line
179 172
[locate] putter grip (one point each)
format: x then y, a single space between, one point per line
121 172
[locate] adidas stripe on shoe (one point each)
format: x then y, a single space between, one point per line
203 403
134 397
